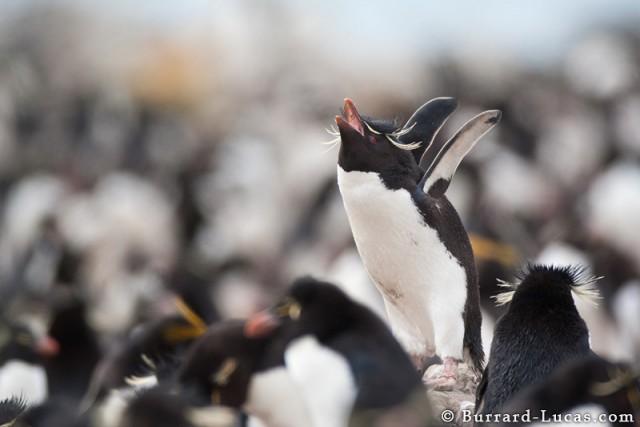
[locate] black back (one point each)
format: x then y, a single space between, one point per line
540 331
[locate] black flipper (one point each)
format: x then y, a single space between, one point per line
425 123
437 178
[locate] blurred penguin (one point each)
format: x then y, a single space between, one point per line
228 366
347 364
22 353
613 387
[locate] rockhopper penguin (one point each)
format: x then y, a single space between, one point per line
410 237
344 359
541 331
23 350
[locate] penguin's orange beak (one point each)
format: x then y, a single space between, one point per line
351 117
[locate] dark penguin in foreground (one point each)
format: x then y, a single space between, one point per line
227 367
614 387
409 235
341 355
540 331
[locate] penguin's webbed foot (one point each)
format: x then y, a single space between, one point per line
442 377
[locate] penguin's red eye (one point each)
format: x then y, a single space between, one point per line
373 139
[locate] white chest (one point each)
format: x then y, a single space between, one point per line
404 256
274 398
18 378
325 380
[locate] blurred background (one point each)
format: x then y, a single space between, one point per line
159 148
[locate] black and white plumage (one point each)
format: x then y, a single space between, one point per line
540 331
409 235
341 355
227 367
22 354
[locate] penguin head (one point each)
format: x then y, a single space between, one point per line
548 285
397 152
371 145
18 341
309 306
318 306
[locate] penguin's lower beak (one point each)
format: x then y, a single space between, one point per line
261 325
351 118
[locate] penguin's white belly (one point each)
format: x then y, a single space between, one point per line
405 257
324 379
274 398
18 378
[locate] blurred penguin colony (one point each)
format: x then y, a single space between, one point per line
151 188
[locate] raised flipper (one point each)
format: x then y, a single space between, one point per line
437 178
425 123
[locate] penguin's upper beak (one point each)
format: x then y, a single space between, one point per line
351 118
